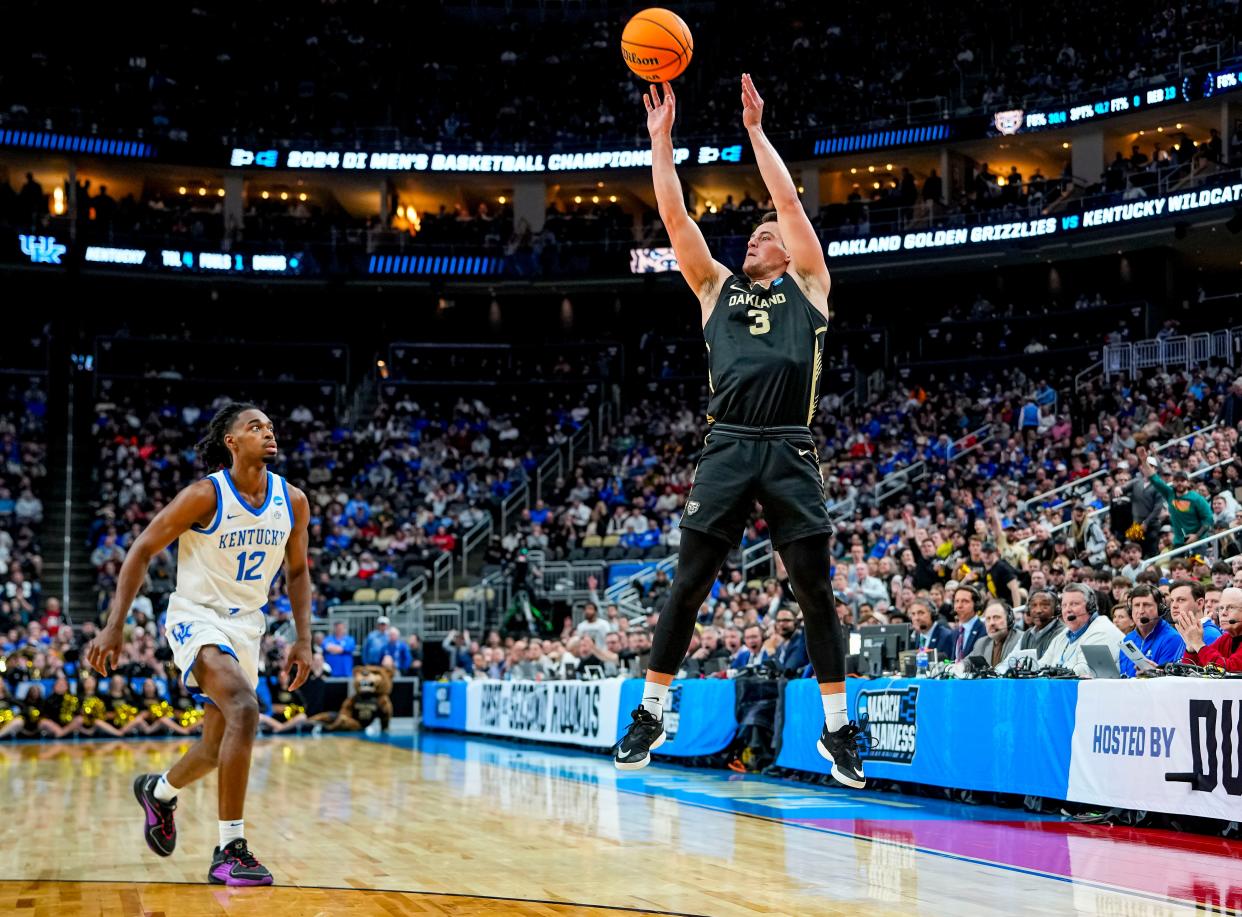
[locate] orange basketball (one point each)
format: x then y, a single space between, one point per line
656 45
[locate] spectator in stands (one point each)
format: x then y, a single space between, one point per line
338 649
711 657
592 625
1190 514
457 645
931 633
753 652
1121 616
967 602
1087 535
396 654
556 664
375 642
1226 650
592 661
1132 551
1002 638
791 654
1002 579
1189 598
1084 626
1155 637
415 647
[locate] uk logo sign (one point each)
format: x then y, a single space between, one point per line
42 249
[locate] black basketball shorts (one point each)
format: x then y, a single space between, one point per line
778 466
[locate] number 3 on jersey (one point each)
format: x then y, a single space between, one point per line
762 324
251 572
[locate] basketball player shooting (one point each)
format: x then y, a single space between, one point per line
764 329
233 529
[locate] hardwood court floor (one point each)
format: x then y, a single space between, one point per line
446 825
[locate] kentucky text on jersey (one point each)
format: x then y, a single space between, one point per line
249 537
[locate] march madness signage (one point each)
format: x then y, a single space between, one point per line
572 712
889 720
1176 747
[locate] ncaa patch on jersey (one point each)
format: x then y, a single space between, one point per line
692 507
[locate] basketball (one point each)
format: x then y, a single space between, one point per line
656 44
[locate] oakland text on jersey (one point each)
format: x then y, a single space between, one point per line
244 538
756 299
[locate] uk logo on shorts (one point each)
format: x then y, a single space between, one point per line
692 507
181 632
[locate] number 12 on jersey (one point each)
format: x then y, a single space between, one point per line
251 572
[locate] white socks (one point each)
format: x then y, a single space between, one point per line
231 831
164 791
834 710
653 698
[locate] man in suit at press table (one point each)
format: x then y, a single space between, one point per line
929 633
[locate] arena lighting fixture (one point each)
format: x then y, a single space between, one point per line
853 171
1160 130
181 190
265 195
1179 126
501 199
612 198
599 184
875 185
219 192
284 195
58 200
202 192
889 166
594 198
870 168
302 196
577 198
1065 145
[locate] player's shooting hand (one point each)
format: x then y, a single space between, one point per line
299 655
660 114
103 652
752 104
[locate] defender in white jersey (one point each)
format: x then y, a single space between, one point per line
234 530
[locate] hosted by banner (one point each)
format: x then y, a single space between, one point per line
700 716
1162 745
1177 747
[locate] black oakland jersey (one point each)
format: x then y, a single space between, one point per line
765 351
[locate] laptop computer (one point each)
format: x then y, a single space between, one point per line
1101 660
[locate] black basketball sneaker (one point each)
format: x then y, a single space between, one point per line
159 827
645 735
841 748
234 864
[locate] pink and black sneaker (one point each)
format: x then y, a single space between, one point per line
236 865
159 829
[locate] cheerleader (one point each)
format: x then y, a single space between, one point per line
157 713
58 711
11 721
122 714
94 718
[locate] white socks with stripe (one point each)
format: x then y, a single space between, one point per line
834 710
231 831
653 698
164 791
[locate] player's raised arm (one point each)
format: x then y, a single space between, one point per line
195 504
704 274
805 251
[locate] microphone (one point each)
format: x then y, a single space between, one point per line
1144 620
